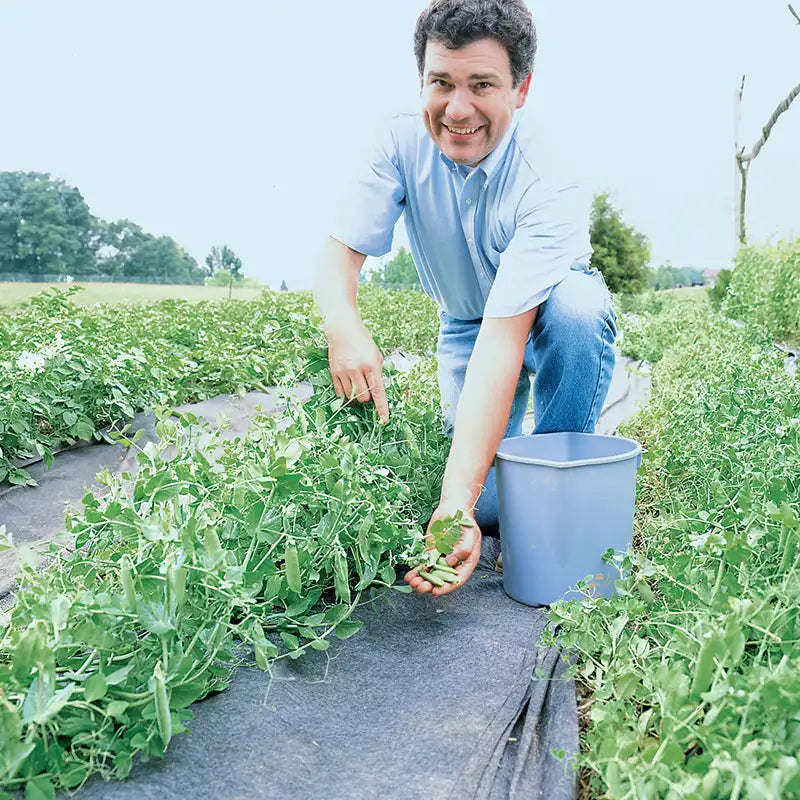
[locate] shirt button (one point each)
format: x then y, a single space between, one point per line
469 202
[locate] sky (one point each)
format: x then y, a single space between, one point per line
240 122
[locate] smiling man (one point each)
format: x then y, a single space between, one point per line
500 243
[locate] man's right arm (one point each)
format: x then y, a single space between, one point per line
354 359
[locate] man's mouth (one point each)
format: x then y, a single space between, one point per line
464 133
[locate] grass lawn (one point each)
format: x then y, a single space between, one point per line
13 293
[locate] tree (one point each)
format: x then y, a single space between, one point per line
45 227
398 273
121 241
668 277
620 252
222 258
128 251
745 159
284 287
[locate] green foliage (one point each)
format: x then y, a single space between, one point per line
402 319
398 273
70 370
269 540
127 251
669 277
693 667
242 281
764 288
719 290
223 259
620 252
45 227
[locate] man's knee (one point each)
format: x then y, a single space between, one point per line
579 313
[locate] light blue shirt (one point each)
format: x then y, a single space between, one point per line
488 241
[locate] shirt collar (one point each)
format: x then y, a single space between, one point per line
492 161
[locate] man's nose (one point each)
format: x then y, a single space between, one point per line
459 105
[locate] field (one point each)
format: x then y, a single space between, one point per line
14 293
688 678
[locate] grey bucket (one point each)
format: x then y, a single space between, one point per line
563 500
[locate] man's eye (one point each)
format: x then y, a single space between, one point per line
484 85
440 81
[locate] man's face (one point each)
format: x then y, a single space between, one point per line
468 100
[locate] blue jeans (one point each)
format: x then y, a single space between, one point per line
569 350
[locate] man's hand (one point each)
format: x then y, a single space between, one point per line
356 366
467 550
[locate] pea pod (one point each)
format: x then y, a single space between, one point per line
442 566
158 686
340 578
704 667
213 546
292 566
126 574
176 580
444 576
432 578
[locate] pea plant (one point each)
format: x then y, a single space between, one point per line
216 553
689 676
68 371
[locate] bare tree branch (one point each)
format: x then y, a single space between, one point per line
767 129
744 159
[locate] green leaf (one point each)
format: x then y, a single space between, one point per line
59 611
336 613
626 684
290 640
119 675
320 644
344 630
40 788
94 687
116 708
447 531
153 616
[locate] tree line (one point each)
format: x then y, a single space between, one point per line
47 231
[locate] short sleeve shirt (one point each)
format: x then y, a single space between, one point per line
488 241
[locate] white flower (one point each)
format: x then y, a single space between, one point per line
31 362
55 348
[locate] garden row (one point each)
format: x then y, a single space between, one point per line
692 673
71 370
764 288
268 541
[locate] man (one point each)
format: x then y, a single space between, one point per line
502 249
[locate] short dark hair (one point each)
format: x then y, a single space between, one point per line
456 23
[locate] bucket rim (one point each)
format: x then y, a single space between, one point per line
580 462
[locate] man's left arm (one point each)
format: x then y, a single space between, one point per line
481 419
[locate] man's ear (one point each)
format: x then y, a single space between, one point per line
522 90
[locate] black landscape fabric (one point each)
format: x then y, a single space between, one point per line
439 698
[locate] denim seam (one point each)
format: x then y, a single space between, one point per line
606 320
